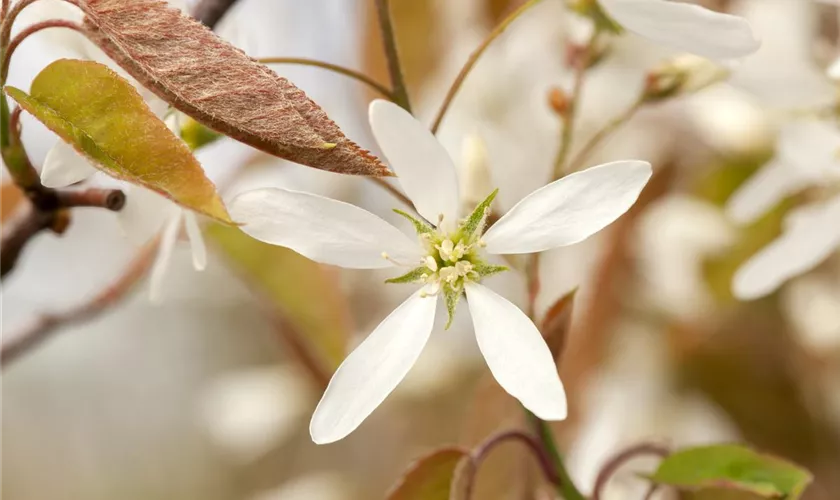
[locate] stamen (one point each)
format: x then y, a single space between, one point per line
394 261
431 263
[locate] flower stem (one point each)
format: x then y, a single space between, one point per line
567 135
399 90
611 127
565 486
473 59
356 75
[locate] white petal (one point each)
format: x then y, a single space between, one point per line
812 147
168 239
569 210
423 166
761 192
373 369
199 249
686 27
516 353
808 240
144 214
322 229
833 70
63 166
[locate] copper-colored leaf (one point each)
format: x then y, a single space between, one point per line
429 478
103 117
218 85
556 324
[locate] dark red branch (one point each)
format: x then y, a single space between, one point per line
47 324
478 456
31 30
615 463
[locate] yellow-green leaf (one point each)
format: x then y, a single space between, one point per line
104 118
733 467
306 294
430 478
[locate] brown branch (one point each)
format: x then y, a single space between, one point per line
110 199
210 12
615 463
17 232
49 324
386 28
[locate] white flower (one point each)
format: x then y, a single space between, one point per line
446 260
144 215
807 155
685 27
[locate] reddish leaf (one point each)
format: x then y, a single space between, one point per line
556 324
218 85
429 478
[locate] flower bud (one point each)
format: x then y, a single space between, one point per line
558 101
682 75
475 170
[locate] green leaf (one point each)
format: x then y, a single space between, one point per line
733 467
412 276
421 226
451 296
104 118
484 270
475 222
197 135
429 478
307 296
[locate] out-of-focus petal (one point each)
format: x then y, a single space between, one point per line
808 240
63 166
322 229
199 249
373 369
761 192
686 27
424 168
569 210
516 353
168 239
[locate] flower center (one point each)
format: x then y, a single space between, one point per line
452 259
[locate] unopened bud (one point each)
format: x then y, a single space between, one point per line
685 74
475 170
558 100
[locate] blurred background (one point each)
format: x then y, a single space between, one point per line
208 394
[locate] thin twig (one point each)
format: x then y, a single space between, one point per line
611 467
356 75
582 62
386 28
48 324
210 12
4 9
610 128
110 199
473 59
31 30
478 456
18 231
